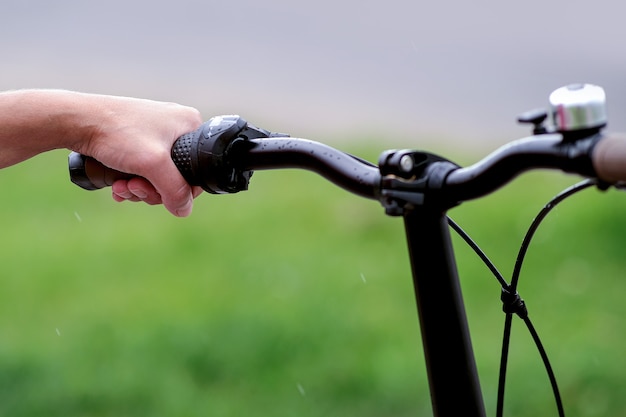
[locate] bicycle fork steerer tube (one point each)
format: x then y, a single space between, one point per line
450 363
449 356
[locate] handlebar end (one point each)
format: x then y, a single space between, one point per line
89 174
609 158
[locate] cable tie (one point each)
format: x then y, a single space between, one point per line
512 303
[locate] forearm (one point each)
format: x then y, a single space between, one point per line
35 121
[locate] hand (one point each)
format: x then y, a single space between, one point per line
127 134
136 136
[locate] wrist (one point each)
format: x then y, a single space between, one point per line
72 119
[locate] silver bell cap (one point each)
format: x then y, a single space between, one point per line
578 106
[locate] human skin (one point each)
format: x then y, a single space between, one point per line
130 135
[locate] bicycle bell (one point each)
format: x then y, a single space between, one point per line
578 107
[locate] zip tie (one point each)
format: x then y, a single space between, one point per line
513 303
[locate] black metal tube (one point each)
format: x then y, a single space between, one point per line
353 174
452 373
535 152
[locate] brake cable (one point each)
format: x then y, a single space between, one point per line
512 302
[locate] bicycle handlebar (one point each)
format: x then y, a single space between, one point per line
347 171
90 174
223 153
542 151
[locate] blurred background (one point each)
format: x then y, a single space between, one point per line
294 298
351 69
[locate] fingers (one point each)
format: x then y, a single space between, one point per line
139 189
161 184
135 189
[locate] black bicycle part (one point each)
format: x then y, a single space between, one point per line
422 192
344 170
90 174
512 289
203 157
513 304
548 151
450 363
418 186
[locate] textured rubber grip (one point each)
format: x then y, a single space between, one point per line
202 157
181 155
609 158
90 174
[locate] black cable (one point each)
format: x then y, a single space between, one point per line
504 357
478 252
509 315
512 302
548 366
512 289
537 221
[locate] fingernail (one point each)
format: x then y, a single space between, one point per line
141 194
185 210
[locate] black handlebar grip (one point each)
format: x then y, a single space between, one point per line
202 157
181 155
90 174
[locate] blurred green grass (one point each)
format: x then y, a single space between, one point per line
293 298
